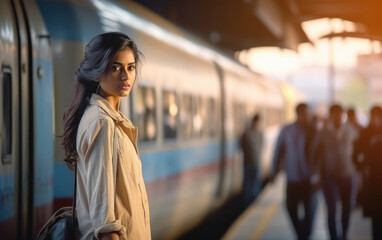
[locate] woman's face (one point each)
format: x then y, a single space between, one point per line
119 79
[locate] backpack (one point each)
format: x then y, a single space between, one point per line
62 225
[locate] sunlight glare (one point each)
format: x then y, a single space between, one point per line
272 60
344 50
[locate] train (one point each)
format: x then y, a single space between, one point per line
190 104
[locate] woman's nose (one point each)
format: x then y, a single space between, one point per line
124 75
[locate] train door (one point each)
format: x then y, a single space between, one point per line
39 102
15 189
222 130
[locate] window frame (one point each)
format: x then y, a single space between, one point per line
137 119
163 109
6 155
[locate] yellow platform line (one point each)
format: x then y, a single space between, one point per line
270 209
263 224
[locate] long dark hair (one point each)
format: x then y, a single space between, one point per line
99 55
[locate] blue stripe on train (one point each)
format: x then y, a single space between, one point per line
7 200
166 163
155 165
44 139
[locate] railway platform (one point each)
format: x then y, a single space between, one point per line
267 219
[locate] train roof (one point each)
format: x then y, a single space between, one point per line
83 19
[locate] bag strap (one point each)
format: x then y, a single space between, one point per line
75 193
115 159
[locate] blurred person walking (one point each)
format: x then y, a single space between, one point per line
367 158
332 150
367 136
373 163
291 151
251 142
361 147
352 119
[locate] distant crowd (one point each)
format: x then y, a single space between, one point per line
335 155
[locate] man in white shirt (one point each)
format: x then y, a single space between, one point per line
333 149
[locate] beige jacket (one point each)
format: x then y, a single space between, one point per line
100 209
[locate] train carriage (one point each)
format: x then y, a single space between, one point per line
191 104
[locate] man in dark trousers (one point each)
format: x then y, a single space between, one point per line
367 158
332 150
291 151
251 143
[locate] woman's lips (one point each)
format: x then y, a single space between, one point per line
125 86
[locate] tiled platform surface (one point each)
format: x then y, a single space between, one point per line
267 219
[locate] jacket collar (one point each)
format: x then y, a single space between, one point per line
118 117
105 105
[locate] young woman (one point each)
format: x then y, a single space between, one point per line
110 204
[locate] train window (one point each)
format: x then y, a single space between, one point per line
264 117
203 116
6 131
145 116
239 118
197 121
274 114
170 115
213 117
281 118
270 117
186 117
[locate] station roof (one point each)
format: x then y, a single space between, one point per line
366 13
235 25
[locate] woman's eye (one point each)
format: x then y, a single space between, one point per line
131 68
115 68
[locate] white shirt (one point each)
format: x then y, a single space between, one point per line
334 148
